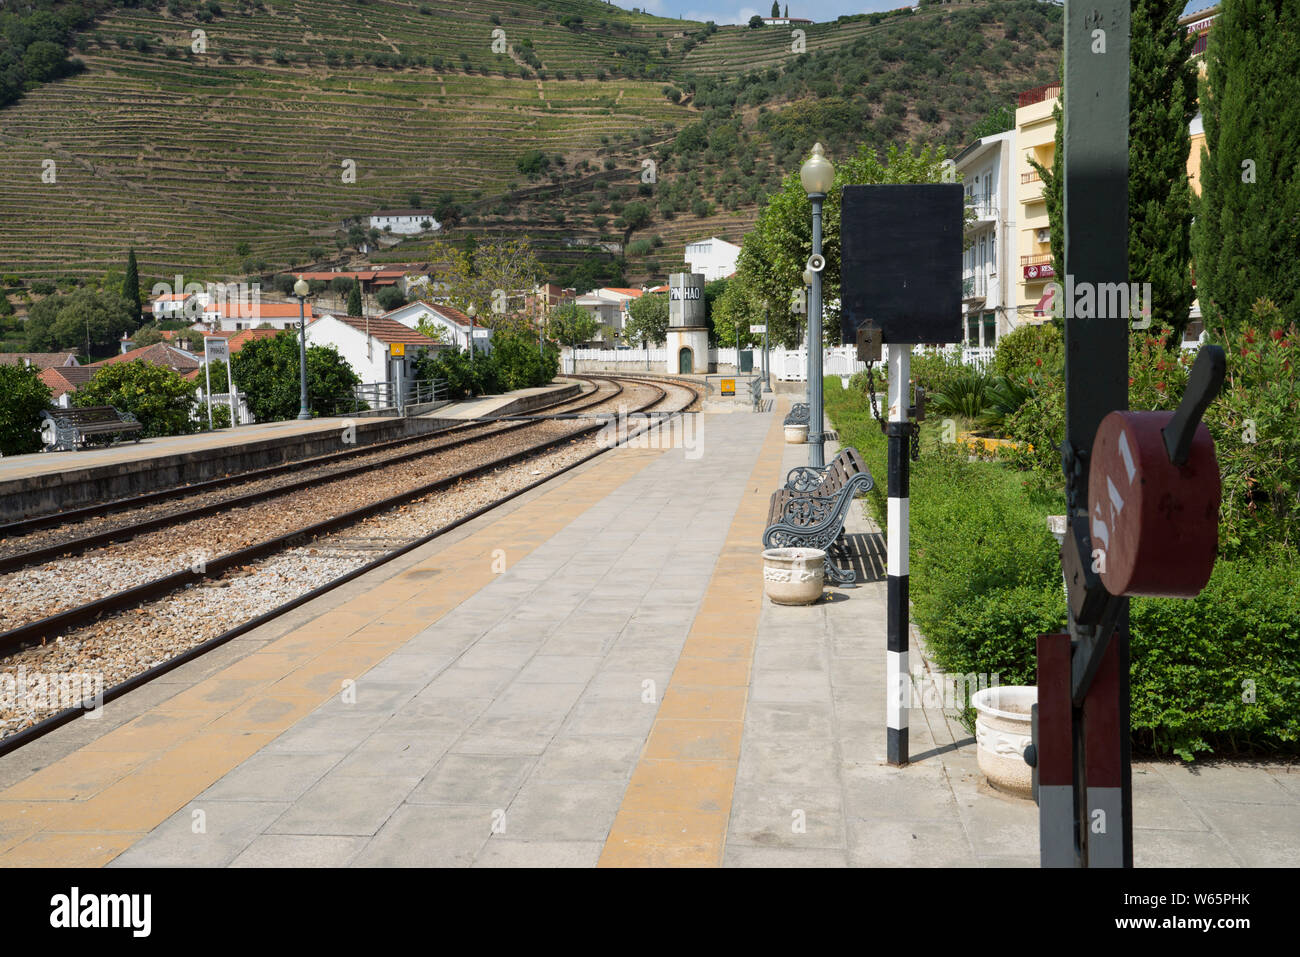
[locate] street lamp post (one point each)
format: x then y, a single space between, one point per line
471 312
300 289
817 175
767 369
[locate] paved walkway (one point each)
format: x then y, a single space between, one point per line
585 676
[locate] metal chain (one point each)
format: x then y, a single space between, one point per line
916 441
871 391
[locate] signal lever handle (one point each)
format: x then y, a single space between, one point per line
1203 384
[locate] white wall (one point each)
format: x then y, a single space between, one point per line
403 225
371 364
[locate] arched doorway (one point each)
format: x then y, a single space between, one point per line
685 365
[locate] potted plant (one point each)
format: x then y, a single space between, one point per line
1002 732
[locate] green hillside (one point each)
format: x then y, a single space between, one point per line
232 161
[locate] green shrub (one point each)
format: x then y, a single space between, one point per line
1026 349
23 397
965 395
1217 673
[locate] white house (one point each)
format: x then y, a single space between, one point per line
378 349
232 316
456 324
404 221
609 306
989 276
714 258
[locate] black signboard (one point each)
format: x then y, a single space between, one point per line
900 249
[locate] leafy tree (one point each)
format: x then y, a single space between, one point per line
427 327
755 22
66 321
572 326
489 276
1162 98
635 216
354 299
146 336
131 286
998 120
1247 225
23 397
648 319
390 298
159 397
267 371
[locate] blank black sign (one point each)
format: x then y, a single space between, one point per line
900 250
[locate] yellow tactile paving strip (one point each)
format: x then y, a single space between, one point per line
88 807
677 805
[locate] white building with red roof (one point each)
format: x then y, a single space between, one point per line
455 325
378 348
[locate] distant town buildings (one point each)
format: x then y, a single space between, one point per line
609 306
404 222
988 281
713 258
455 325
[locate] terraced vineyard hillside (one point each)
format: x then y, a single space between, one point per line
238 159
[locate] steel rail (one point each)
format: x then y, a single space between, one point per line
25 525
33 632
73 546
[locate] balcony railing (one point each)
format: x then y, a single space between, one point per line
1038 94
1031 177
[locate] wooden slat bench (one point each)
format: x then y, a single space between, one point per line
69 429
810 510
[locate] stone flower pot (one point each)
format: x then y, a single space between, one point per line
1002 732
793 576
796 434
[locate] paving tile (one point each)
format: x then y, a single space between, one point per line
429 836
346 805
507 853
477 779
546 810
271 776
607 758
787 817
299 850
207 833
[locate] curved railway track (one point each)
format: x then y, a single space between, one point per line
32 539
115 633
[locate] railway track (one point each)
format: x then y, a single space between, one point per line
21 541
132 634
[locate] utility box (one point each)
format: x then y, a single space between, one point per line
900 261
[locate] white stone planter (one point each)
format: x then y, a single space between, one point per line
793 576
796 434
1002 732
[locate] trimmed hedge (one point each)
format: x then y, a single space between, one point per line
986 581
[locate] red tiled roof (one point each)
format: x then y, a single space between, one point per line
42 360
159 354
243 337
254 311
387 330
447 312
634 293
57 383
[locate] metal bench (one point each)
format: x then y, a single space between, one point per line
809 511
69 429
798 414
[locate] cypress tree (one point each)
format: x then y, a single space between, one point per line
776 9
1247 228
354 299
131 287
1162 101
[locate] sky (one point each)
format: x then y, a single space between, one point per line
720 11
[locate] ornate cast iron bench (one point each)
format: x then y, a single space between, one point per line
69 429
810 510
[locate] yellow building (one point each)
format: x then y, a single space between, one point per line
1036 139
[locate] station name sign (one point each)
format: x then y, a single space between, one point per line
684 292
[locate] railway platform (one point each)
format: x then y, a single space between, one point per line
44 482
586 676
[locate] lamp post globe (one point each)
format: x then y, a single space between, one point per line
818 176
301 289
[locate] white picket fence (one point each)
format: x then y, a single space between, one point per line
790 365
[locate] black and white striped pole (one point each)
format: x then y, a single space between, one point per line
898 675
